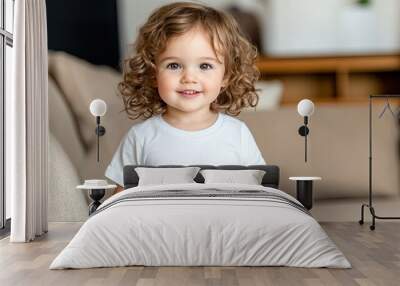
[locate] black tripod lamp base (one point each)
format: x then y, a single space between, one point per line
96 195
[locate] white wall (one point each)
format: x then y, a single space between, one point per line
132 14
332 26
298 27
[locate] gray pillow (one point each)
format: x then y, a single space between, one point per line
249 177
162 176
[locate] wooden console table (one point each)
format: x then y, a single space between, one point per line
348 78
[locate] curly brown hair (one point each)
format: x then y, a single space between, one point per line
138 87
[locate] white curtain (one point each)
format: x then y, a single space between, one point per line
27 123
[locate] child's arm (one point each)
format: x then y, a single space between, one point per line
252 155
118 189
127 153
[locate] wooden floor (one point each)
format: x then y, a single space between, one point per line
375 257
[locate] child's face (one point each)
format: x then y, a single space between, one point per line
189 73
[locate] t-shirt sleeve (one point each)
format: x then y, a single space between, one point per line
128 153
251 153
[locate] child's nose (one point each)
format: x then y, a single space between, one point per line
188 76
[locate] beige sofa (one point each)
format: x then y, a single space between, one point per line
73 84
338 145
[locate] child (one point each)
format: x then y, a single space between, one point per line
191 64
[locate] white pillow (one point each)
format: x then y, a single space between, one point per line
270 95
249 177
162 176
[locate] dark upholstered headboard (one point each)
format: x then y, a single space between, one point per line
270 179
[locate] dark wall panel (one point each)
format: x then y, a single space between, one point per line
85 28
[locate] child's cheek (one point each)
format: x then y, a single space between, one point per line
166 84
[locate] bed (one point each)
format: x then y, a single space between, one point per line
201 224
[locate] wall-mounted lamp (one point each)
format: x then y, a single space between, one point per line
98 108
305 108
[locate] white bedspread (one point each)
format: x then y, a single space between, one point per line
181 231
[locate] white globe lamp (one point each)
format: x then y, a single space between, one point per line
305 108
98 108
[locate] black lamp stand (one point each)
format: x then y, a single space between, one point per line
100 131
303 131
369 205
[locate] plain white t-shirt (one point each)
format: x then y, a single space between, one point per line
155 142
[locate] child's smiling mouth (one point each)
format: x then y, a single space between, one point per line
190 93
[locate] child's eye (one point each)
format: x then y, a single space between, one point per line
206 66
173 66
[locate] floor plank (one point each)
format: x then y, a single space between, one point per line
375 257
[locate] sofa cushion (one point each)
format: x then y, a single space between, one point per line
337 146
78 83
